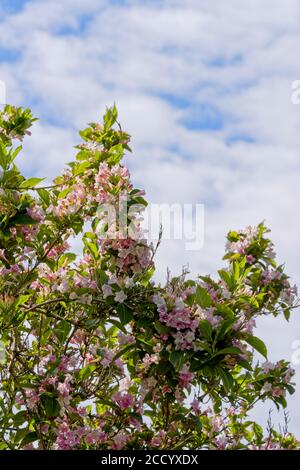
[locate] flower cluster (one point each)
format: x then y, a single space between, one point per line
97 356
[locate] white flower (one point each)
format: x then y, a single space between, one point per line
179 304
129 282
158 300
107 290
267 366
64 286
267 387
120 296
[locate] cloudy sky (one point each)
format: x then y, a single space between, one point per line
203 86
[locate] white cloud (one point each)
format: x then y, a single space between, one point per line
161 62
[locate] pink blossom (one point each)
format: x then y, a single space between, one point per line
250 259
32 398
95 436
267 366
277 392
195 405
124 400
185 377
108 357
120 440
148 360
184 340
157 440
65 388
44 428
120 365
125 339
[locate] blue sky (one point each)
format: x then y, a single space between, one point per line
204 88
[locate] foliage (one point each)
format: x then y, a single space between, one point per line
97 356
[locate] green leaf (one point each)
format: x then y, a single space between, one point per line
93 249
229 350
125 314
110 117
80 169
64 192
22 299
15 153
115 154
205 328
287 314
30 437
245 364
118 325
236 270
20 434
124 350
227 379
177 359
44 195
22 219
202 297
225 327
20 417
144 281
51 406
225 275
258 431
144 322
86 371
257 344
31 183
161 329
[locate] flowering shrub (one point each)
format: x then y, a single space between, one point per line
95 355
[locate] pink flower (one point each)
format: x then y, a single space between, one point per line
185 377
209 315
148 360
96 436
221 442
32 398
267 366
44 428
123 400
119 364
64 388
125 339
195 405
120 440
289 374
157 440
108 357
184 340
277 392
66 438
166 389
